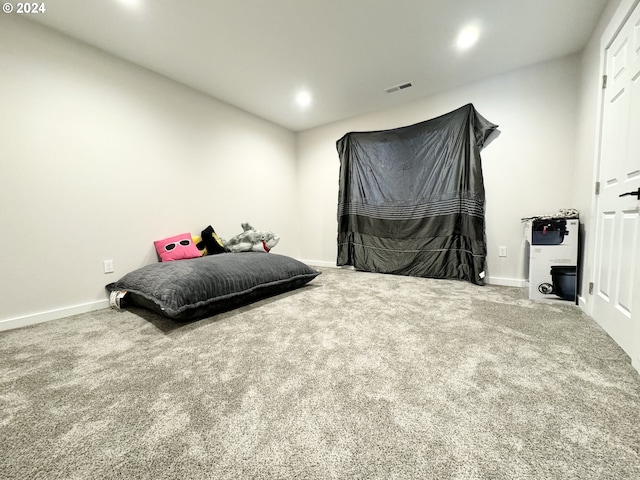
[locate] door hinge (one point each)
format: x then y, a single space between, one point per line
604 82
590 288
597 188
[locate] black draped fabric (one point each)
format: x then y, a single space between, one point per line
411 199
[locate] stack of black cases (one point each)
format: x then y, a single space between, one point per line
553 259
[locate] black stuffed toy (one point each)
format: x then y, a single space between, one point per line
210 241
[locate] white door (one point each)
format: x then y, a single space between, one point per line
617 277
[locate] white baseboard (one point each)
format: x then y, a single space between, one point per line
319 263
582 302
507 282
502 281
18 322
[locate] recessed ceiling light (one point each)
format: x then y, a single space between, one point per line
303 99
467 37
130 3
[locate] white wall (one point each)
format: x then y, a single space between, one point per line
528 170
99 158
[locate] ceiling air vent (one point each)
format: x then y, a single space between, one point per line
396 88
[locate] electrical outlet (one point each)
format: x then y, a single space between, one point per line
502 251
108 266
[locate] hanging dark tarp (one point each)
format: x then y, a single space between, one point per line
411 199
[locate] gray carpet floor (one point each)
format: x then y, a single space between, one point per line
356 375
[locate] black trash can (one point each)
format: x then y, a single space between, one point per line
564 281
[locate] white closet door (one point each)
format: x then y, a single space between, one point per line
617 280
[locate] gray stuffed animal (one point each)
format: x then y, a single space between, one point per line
251 240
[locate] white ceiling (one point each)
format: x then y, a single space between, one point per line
256 54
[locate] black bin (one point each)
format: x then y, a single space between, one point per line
564 281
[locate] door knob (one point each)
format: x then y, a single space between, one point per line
636 194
